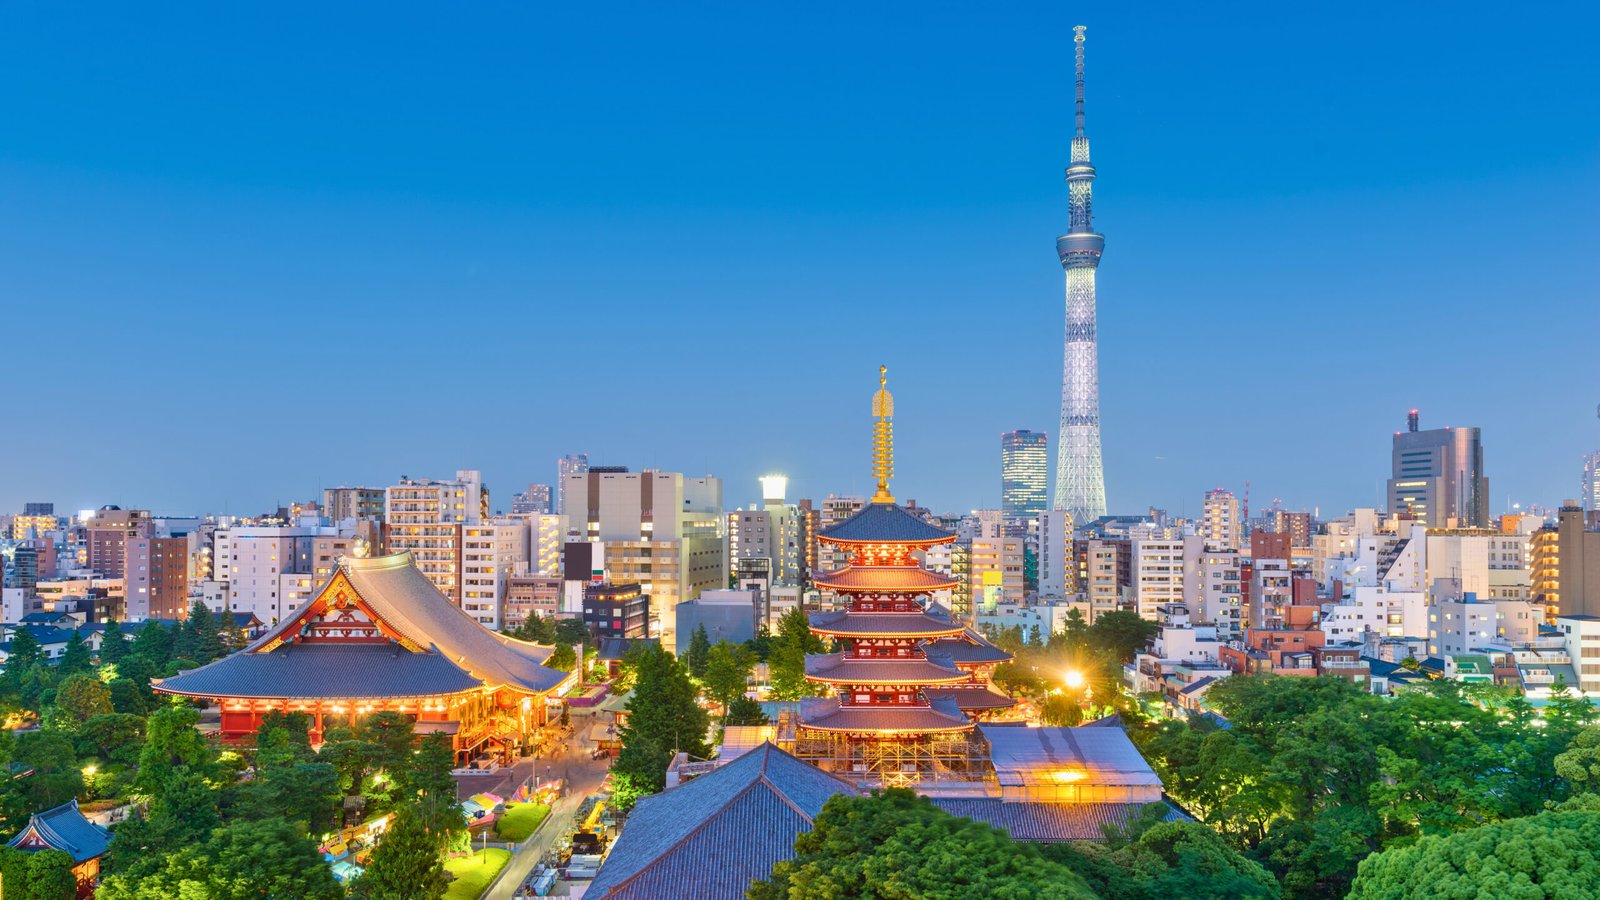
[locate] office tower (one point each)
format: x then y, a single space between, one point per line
24 570
771 532
109 532
1437 476
352 503
1591 481
1080 478
663 530
566 467
1220 522
1023 474
533 501
1578 563
426 517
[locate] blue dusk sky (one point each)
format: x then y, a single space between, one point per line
249 251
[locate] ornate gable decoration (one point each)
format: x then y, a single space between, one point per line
338 614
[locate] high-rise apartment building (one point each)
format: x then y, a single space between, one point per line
831 512
566 467
1024 471
772 532
426 517
1080 476
271 570
1105 574
1057 567
157 578
1437 476
491 552
37 520
1220 521
1297 525
1157 575
109 532
352 503
663 530
1544 570
995 572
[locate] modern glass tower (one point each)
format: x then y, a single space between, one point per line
1080 478
1024 472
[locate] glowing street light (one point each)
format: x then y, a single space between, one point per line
1074 679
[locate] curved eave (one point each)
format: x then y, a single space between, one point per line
325 698
843 630
888 671
884 579
864 542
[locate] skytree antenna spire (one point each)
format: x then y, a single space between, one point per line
1080 476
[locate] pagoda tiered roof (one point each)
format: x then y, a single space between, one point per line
847 624
887 579
839 668
969 648
884 523
828 714
973 697
377 628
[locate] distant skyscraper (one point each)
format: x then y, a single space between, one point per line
571 464
1023 474
1080 477
1591 481
1437 476
534 500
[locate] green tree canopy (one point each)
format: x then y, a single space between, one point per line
564 659
699 651
406 864
896 844
75 659
1121 633
37 875
1554 854
663 714
113 643
243 861
727 672
82 697
787 657
154 643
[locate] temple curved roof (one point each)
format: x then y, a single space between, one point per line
966 649
827 714
975 697
325 672
846 624
836 668
435 647
897 579
884 523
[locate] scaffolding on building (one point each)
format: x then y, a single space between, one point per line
923 760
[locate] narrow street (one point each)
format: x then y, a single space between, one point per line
584 776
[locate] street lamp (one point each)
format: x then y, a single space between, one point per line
1073 678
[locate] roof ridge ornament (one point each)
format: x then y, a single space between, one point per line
883 437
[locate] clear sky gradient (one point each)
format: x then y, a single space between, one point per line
248 253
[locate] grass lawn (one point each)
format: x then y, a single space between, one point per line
473 873
519 820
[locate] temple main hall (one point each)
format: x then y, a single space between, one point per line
380 636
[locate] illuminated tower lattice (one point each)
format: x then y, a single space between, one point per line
1080 476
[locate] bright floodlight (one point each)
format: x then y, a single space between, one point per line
1074 679
773 487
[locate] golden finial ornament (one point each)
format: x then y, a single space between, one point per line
883 437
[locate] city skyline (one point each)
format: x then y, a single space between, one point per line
239 227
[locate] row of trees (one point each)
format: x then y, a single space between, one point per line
898 844
1311 776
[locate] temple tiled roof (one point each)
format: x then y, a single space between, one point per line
1106 756
977 697
884 523
406 601
837 668
63 828
716 834
1045 822
826 714
909 579
843 623
968 648
325 672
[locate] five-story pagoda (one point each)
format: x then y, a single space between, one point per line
882 727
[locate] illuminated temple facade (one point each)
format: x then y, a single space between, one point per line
909 683
380 636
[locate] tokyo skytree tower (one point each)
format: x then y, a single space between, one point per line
1080 478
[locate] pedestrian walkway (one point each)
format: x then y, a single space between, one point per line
583 777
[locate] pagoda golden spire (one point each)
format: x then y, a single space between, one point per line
883 437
